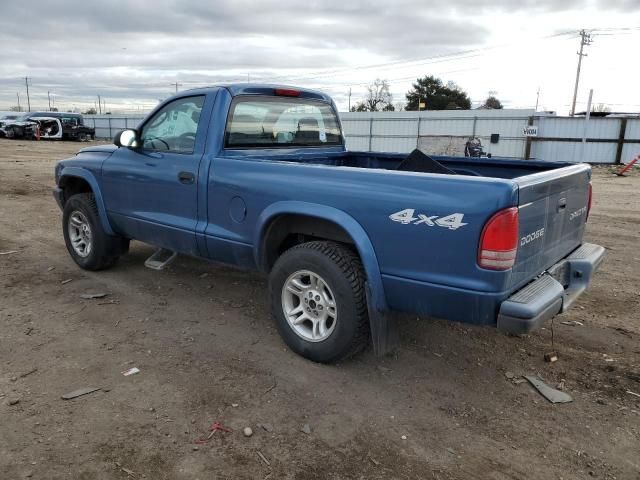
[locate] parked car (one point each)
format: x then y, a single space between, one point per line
52 125
5 119
258 176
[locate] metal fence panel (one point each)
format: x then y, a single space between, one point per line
565 127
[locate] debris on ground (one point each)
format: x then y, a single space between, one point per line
91 296
509 375
215 427
633 393
131 371
26 374
79 392
247 431
234 405
551 357
306 429
607 358
64 282
131 473
51 269
623 331
9 252
551 394
573 323
266 427
263 458
13 401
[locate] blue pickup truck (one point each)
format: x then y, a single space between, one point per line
258 176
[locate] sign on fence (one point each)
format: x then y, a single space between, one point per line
530 131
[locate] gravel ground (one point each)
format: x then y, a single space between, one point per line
443 407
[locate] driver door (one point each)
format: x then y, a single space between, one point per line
151 192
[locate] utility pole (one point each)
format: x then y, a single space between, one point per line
176 85
49 97
349 99
99 105
18 94
585 39
26 82
537 98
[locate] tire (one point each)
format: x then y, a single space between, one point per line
10 133
344 328
81 225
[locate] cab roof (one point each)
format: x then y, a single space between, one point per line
236 89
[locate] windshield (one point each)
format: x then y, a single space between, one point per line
268 122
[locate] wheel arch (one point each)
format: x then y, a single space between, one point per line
75 180
278 221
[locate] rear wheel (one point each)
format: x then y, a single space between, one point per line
88 244
10 133
318 301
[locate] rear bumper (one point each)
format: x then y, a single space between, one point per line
552 293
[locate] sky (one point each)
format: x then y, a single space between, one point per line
133 53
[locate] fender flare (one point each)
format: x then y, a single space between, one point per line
376 297
87 176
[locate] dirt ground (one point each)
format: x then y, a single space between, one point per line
442 408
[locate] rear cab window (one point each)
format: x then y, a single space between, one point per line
278 122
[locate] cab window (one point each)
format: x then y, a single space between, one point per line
276 122
173 128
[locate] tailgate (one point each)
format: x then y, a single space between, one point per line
552 214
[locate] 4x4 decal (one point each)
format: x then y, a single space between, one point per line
408 216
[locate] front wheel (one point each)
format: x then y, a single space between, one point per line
318 301
88 244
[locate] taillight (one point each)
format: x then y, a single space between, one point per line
589 201
499 241
286 92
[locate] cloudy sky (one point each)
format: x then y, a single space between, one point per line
132 52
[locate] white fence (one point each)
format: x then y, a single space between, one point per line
607 140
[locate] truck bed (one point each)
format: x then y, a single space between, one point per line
478 167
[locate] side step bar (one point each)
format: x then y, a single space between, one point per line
160 259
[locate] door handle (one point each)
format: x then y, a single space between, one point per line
186 177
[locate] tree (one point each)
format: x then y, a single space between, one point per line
15 109
378 98
436 95
91 111
492 103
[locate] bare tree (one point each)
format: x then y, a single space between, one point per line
378 98
600 107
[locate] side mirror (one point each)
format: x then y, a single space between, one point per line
126 138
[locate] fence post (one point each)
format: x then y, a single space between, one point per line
370 132
110 134
418 133
126 122
621 136
527 148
